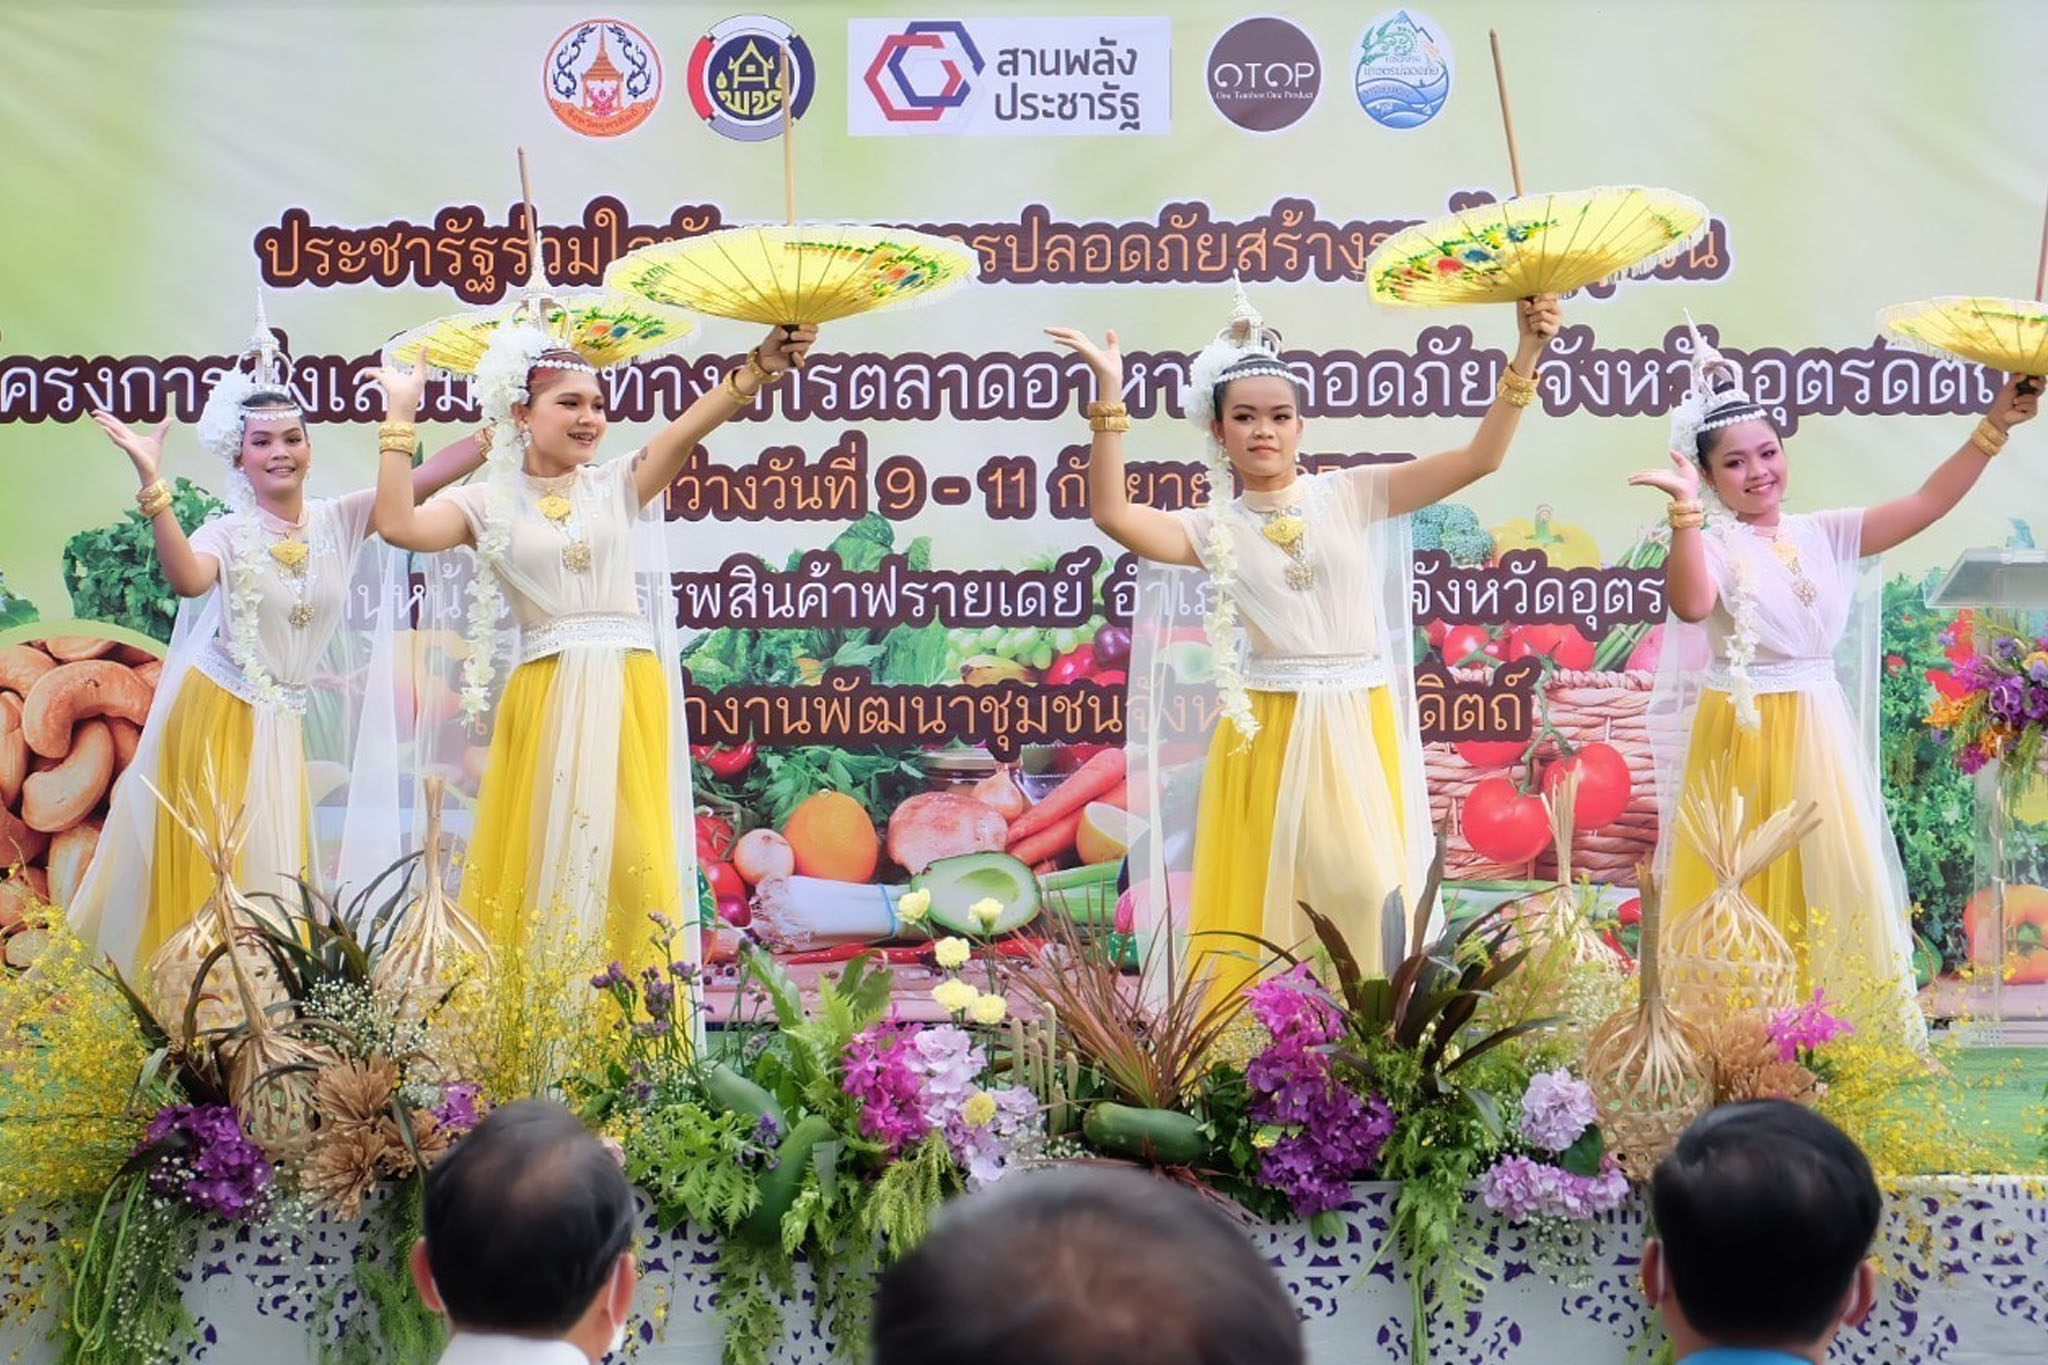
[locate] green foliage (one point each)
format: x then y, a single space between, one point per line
695 1165
386 1324
119 1294
112 571
1931 803
1453 528
910 1189
15 611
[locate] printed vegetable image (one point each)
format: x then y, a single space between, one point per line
1563 645
14 611
957 885
1050 828
71 714
112 571
762 853
935 825
1453 528
832 837
1604 784
1504 824
1564 545
2026 931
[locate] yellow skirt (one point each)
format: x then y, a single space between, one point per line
1336 871
504 852
209 730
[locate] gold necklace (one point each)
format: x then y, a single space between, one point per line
1786 552
291 556
1287 528
559 507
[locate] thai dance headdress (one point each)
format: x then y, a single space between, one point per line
257 376
1716 397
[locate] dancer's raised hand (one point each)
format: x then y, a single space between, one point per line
786 346
405 388
1681 482
1105 360
145 450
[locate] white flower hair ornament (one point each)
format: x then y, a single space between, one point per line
1244 349
1715 398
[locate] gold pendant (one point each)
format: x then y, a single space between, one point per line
301 615
290 555
1787 553
556 508
576 557
1285 531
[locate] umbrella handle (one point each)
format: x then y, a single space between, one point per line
1507 118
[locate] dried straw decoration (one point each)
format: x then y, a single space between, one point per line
434 938
174 970
1568 968
1647 1066
270 1071
1724 954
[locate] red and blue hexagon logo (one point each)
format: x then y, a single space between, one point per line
925 72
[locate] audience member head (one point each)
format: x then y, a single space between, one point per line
528 1231
1084 1266
1764 1214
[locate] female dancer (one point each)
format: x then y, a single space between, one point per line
1775 591
281 654
587 771
1313 788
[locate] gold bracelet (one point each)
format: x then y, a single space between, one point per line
740 397
397 445
1682 506
1988 438
158 501
1515 390
1109 421
399 428
760 371
155 488
1687 523
1107 407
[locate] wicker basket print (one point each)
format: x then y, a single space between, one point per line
1608 707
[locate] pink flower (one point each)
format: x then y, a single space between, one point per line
1556 1108
1802 1028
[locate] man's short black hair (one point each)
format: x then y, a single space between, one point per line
525 1219
1084 1267
1765 1210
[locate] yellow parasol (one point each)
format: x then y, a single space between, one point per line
601 325
604 328
1533 243
794 274
2007 334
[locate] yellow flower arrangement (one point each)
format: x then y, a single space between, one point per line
989 1009
954 996
951 953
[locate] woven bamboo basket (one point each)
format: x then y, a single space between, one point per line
1610 708
1646 1065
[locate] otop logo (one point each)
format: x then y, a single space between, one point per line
924 73
735 76
1264 74
602 77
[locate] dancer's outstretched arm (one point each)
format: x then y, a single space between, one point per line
671 446
1144 531
189 573
1433 478
1891 523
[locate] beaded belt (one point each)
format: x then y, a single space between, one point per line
215 662
1790 675
586 630
1311 672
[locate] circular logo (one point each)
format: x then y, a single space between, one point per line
736 76
1404 69
1264 74
602 77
